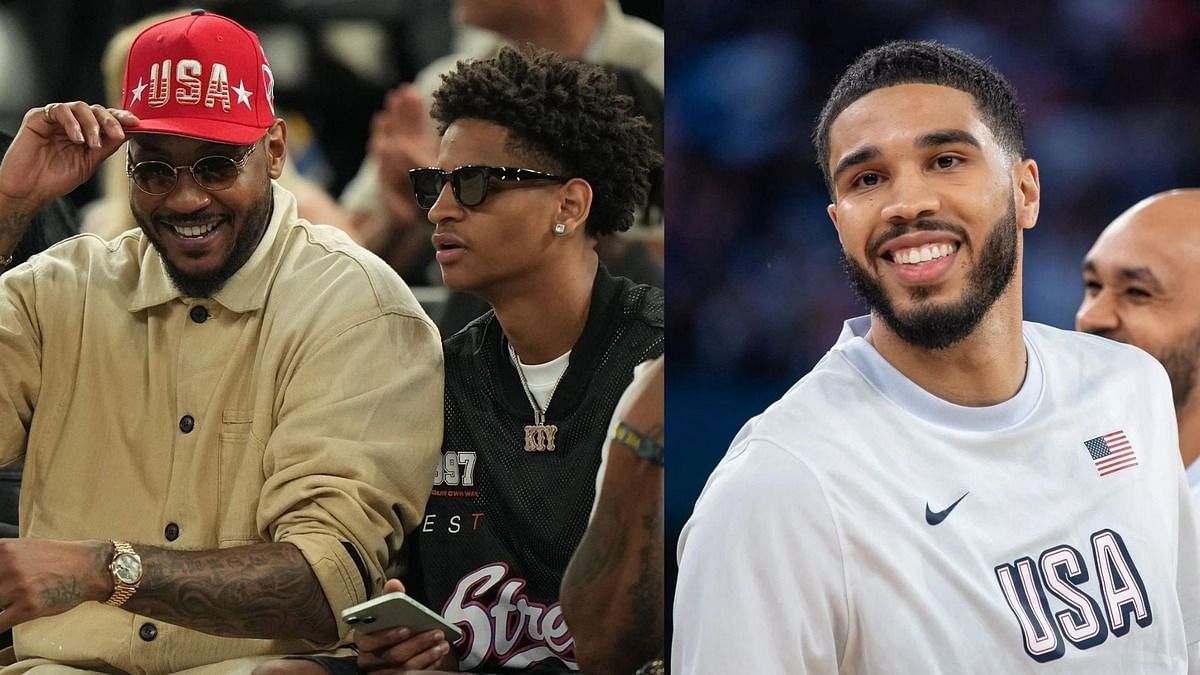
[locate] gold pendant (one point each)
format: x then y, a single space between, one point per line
540 437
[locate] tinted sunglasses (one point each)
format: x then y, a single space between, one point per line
471 183
215 172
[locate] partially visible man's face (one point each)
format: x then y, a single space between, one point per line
926 209
203 236
1141 285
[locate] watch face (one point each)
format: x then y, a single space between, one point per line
127 568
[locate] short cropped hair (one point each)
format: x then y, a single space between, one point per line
908 62
565 114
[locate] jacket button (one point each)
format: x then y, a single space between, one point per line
199 314
186 424
148 632
172 532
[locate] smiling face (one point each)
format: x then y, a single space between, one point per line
507 238
204 236
1140 284
928 208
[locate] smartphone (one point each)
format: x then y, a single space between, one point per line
397 609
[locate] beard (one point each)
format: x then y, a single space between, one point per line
255 222
1179 360
940 326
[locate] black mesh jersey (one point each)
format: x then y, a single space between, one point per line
502 523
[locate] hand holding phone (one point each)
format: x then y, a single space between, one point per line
397 609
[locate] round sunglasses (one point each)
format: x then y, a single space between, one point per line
471 183
213 173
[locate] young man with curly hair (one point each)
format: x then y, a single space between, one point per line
539 158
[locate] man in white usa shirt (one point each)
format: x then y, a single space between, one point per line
951 489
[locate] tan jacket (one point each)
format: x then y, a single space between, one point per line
314 392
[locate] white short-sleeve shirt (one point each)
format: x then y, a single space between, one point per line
863 525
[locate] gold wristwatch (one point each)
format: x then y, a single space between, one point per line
126 570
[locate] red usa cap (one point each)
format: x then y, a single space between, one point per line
202 76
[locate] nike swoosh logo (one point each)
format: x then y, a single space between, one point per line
934 517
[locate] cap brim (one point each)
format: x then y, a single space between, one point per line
203 129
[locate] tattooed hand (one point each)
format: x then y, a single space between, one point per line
40 577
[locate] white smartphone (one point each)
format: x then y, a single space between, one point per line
397 609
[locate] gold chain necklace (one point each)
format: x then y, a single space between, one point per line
539 436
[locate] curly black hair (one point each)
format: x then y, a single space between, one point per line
908 62
564 114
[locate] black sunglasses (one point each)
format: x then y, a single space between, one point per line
215 172
470 183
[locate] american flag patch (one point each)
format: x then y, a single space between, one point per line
1111 452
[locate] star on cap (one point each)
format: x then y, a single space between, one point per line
137 91
243 94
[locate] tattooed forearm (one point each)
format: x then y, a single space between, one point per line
598 553
606 541
12 227
615 578
646 594
258 591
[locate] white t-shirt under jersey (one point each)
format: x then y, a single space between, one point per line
862 525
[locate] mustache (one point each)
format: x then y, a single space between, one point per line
920 225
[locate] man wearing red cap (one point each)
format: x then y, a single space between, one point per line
229 417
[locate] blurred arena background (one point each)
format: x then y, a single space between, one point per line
755 292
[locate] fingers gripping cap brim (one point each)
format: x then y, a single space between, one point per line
203 76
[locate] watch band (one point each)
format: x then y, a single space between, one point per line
122 591
642 445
